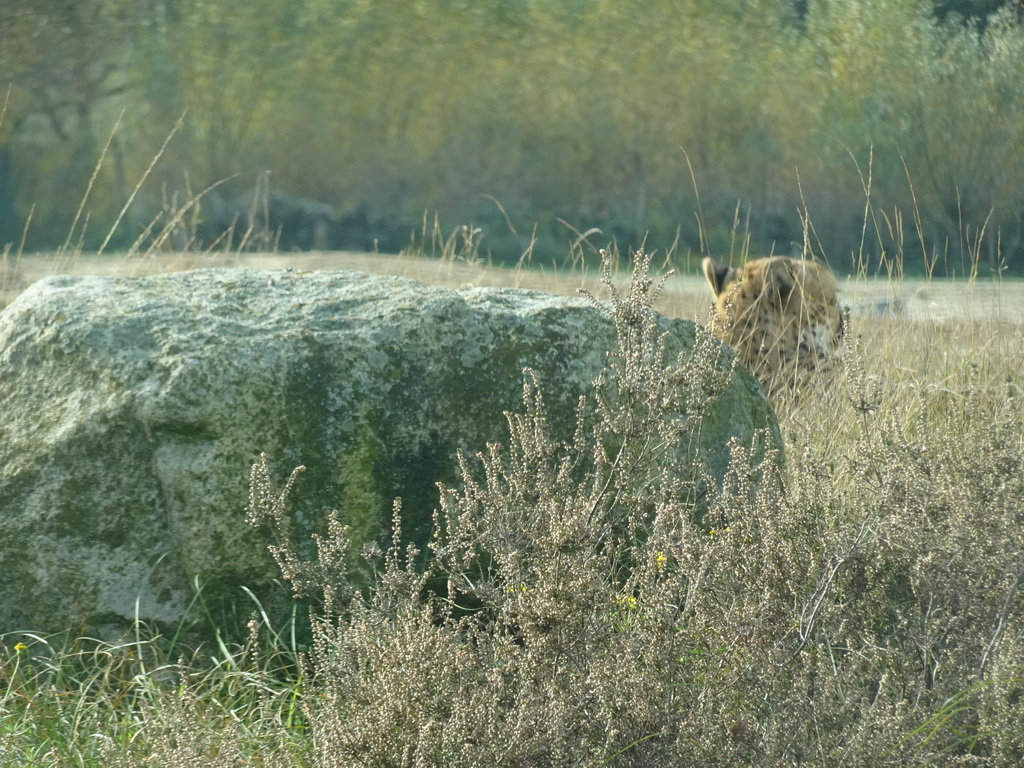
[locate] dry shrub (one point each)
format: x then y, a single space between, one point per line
597 600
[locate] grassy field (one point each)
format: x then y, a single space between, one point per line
685 295
861 606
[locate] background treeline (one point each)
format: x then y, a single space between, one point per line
896 126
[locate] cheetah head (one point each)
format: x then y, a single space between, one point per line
781 315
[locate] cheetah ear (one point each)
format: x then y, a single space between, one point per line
717 276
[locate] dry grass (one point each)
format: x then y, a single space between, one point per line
683 296
863 606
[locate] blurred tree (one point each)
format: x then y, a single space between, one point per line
61 60
969 127
974 11
918 105
590 111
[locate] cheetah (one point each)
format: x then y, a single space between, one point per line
781 315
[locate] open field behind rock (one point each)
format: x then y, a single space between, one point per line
685 295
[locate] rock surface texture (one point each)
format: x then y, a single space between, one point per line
131 411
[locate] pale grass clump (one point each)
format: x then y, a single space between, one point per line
133 703
926 459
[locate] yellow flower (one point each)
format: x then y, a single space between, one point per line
627 601
20 647
659 561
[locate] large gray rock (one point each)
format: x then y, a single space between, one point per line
132 410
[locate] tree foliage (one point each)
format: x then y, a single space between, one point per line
741 113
